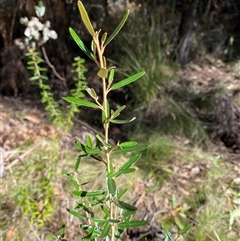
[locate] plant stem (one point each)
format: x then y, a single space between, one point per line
100 51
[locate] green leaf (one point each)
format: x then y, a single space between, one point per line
33 78
91 92
166 230
75 214
73 181
102 73
131 148
87 150
111 185
85 18
111 77
118 28
93 193
83 207
77 163
80 44
106 229
81 102
99 138
43 77
113 221
186 228
125 171
118 111
128 144
89 142
123 121
63 230
127 81
121 193
124 205
103 38
132 224
105 210
100 221
130 162
50 235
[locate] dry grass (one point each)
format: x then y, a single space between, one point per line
195 186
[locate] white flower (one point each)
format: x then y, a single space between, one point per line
24 20
48 24
53 34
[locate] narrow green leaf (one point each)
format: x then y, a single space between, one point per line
34 78
80 145
130 149
63 230
91 92
127 81
111 185
105 210
124 205
166 230
87 150
42 69
102 73
85 18
81 102
93 193
80 44
125 171
118 111
100 221
83 207
111 77
113 221
31 67
50 235
130 162
186 228
89 142
115 121
100 138
132 224
128 144
118 28
73 181
77 163
43 77
106 229
121 193
103 38
97 158
76 214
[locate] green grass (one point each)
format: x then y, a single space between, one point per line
204 198
33 188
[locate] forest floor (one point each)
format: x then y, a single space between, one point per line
197 186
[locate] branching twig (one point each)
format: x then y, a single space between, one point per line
52 66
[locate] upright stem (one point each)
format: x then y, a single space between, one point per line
100 51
